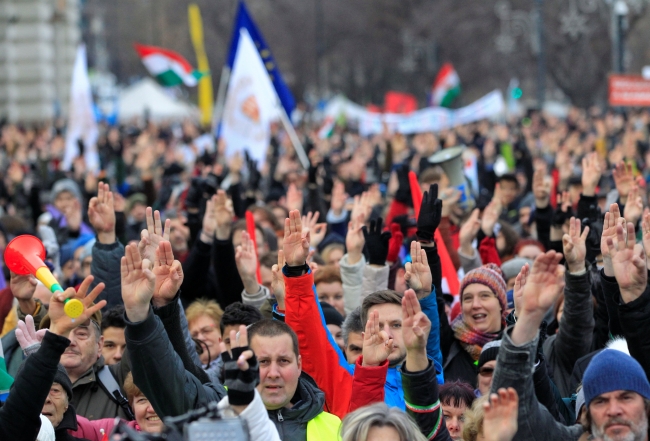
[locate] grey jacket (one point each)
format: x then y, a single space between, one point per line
574 336
515 369
360 280
106 268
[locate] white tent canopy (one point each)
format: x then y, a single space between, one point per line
147 95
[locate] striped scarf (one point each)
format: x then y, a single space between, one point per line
471 339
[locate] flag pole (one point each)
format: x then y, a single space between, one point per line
221 98
297 145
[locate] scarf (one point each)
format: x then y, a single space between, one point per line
471 339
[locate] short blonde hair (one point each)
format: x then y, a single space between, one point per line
474 420
357 425
204 307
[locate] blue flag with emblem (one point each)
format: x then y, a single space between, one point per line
244 20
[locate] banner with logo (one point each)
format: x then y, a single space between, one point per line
629 90
251 103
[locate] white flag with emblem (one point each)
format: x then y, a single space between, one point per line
251 103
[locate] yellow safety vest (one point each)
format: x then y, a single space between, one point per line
325 427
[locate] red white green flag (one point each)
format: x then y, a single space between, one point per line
446 87
168 67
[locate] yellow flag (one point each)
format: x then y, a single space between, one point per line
205 83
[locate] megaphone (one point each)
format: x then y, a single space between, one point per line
451 161
25 255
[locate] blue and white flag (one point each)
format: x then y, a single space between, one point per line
243 20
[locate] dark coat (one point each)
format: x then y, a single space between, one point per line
20 415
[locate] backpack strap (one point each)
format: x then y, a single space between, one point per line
106 379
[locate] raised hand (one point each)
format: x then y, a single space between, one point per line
209 225
317 230
60 323
544 284
362 207
418 274
154 234
612 219
633 206
376 242
296 243
468 232
101 214
491 214
629 263
22 286
223 214
355 240
376 344
574 247
241 369
542 287
138 284
338 198
430 214
246 259
500 415
520 283
294 198
624 180
27 335
169 275
395 243
415 332
277 283
591 173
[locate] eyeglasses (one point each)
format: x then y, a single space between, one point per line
486 371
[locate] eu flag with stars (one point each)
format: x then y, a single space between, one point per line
244 20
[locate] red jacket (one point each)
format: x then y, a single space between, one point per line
321 357
368 384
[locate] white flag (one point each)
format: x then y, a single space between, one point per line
81 120
251 103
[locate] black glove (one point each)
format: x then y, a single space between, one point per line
560 217
313 173
403 193
240 384
376 242
430 214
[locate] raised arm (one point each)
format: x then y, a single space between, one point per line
321 356
352 265
518 352
418 375
577 325
107 250
157 369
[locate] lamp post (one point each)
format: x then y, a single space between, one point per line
621 11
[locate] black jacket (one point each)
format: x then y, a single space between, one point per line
20 416
459 365
308 403
421 390
69 422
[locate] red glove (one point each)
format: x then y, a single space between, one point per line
395 242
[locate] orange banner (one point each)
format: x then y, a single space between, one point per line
629 90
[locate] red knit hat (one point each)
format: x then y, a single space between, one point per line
491 276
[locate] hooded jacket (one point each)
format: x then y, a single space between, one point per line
292 424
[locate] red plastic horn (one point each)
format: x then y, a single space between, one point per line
25 255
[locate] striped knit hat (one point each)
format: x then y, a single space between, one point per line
491 276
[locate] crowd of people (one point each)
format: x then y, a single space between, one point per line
337 302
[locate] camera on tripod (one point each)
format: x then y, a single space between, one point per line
208 423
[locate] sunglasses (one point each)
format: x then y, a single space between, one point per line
486 371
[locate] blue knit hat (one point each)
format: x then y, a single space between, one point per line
612 370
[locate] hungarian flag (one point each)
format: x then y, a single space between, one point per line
446 87
5 379
168 67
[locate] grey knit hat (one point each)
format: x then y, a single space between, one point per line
66 185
